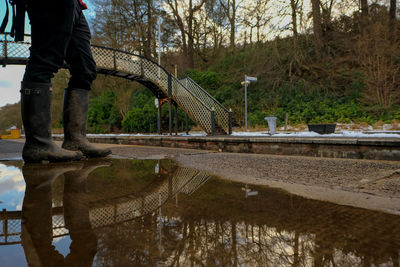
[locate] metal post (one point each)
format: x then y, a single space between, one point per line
170 116
141 68
114 61
5 226
5 50
286 120
176 118
159 47
170 103
212 121
245 102
169 85
187 123
159 118
230 121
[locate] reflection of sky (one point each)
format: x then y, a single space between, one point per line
12 188
12 255
62 244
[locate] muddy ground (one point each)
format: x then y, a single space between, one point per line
360 183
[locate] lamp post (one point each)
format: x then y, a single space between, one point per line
246 82
159 47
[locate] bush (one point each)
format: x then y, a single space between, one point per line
102 113
140 120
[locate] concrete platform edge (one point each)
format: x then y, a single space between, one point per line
354 148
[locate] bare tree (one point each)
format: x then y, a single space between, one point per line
216 22
230 8
364 15
294 9
317 25
256 16
185 23
392 18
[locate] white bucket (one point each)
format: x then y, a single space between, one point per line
271 124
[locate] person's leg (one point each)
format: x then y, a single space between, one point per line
51 27
76 97
83 247
51 30
37 225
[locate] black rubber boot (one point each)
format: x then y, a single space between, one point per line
75 109
36 116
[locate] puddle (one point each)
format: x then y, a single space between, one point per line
131 212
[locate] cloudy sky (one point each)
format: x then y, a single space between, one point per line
10 80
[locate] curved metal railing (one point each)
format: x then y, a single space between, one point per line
194 100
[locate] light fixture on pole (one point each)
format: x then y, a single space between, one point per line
246 82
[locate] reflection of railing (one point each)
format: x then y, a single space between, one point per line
112 211
193 99
127 208
10 226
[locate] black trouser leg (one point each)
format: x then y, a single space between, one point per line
79 55
51 28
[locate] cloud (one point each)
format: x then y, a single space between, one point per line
11 179
5 84
10 83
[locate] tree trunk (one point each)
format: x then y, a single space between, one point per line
364 7
293 6
232 21
190 53
364 16
230 12
317 27
147 48
392 19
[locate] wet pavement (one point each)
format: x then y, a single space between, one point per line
126 212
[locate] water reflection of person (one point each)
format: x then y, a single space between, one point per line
37 225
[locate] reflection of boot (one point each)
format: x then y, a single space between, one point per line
75 109
35 109
76 215
37 224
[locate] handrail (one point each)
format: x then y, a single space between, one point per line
207 93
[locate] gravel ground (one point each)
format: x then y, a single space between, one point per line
346 174
361 183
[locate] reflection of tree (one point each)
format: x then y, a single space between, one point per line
124 177
215 225
273 229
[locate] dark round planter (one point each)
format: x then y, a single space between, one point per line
322 128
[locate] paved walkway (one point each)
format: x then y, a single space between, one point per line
361 183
